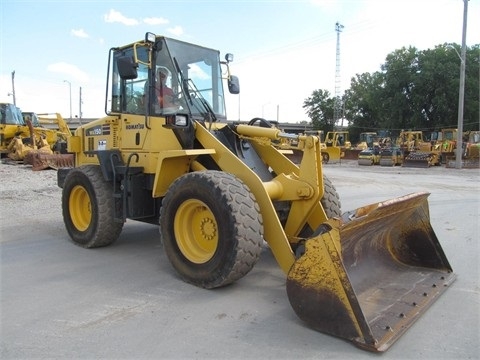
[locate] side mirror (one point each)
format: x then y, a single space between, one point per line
233 85
127 68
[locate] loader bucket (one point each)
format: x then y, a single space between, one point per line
370 275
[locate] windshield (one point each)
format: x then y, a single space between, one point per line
200 66
175 77
10 115
32 117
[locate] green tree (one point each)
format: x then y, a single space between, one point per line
471 112
400 71
413 90
433 95
363 103
319 108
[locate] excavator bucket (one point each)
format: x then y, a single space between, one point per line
368 276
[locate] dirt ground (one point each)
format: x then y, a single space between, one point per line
125 302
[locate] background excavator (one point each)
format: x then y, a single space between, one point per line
219 190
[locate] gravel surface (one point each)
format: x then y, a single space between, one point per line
27 194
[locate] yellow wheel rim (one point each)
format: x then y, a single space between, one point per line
80 208
196 231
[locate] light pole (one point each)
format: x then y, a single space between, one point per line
461 91
70 90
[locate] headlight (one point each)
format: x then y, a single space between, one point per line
177 120
180 120
150 37
229 57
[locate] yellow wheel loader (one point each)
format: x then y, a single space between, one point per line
219 189
337 142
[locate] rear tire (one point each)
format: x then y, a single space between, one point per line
211 228
88 208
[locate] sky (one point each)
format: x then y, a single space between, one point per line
283 50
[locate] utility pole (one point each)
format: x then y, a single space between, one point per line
337 107
13 88
80 108
461 91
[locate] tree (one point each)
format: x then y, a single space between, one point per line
471 112
319 108
400 72
363 103
434 98
413 90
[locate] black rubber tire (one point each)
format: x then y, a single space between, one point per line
94 225
237 228
325 158
330 200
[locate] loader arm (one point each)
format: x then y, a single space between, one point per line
301 185
306 207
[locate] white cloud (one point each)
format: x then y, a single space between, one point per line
155 21
197 72
68 69
115 16
79 33
177 30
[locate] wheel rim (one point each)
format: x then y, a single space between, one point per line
80 208
196 231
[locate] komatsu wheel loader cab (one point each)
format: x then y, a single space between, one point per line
166 155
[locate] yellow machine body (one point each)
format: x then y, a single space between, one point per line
219 189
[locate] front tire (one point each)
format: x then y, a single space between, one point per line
330 200
88 208
211 228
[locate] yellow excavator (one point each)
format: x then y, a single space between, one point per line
219 189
